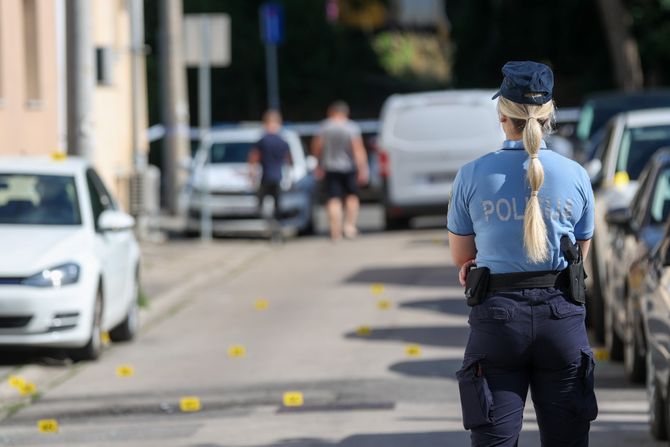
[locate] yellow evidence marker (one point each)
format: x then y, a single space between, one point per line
16 382
28 389
293 399
125 371
59 156
237 351
621 178
413 351
383 304
377 289
601 354
363 331
261 304
189 404
47 426
104 337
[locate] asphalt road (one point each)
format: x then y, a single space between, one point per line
368 332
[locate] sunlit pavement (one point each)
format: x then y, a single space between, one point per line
367 333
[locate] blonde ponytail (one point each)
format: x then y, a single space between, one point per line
534 228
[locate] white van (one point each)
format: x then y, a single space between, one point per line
424 139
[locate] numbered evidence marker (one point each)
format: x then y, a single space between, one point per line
190 404
237 351
413 351
601 354
383 304
28 389
16 382
377 289
125 371
363 331
47 426
293 399
104 337
261 304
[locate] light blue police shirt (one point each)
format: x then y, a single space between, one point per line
489 197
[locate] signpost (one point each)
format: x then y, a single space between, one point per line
206 45
272 33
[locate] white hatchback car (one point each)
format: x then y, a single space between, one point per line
70 268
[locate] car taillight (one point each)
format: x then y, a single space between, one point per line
384 168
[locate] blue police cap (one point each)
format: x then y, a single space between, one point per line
524 77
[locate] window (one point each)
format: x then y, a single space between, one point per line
637 146
230 152
32 199
31 53
660 204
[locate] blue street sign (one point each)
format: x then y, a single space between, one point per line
272 23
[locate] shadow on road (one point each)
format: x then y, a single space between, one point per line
440 368
422 335
445 306
44 357
420 275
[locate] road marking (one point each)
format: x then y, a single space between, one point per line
293 399
261 304
383 304
16 382
47 426
125 371
190 404
237 351
413 350
377 289
28 389
364 331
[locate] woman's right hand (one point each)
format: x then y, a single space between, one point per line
463 272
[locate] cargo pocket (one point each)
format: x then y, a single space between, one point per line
562 309
476 397
587 406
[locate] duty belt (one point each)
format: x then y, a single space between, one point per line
528 280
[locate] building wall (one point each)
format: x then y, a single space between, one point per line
28 78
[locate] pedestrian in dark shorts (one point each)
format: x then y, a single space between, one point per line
271 152
343 163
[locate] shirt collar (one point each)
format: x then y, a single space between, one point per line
518 144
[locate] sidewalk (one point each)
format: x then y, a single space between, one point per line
170 271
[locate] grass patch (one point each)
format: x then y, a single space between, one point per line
143 299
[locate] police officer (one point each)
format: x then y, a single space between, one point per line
508 215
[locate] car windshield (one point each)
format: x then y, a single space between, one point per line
32 199
230 152
660 203
638 145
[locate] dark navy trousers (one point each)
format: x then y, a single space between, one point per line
528 338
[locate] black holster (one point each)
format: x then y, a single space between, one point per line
477 285
575 270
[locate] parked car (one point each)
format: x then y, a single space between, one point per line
631 139
424 140
220 179
599 108
72 269
636 230
653 281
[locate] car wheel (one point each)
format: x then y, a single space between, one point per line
93 347
613 342
596 306
396 223
633 352
128 328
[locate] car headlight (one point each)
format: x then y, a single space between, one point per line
61 275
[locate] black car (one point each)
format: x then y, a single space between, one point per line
651 276
636 231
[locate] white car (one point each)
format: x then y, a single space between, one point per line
70 265
220 179
630 140
424 140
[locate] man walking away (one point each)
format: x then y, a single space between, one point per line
271 152
339 148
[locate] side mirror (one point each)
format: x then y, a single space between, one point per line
620 217
113 220
594 169
312 163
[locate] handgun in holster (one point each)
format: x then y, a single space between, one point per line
575 270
